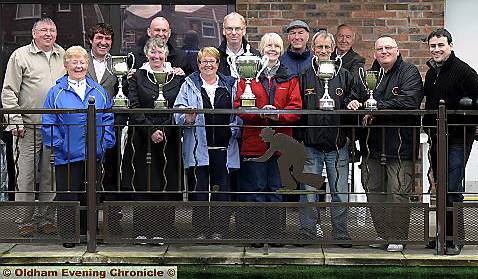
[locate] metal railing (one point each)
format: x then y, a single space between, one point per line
246 222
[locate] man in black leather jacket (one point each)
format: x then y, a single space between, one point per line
400 88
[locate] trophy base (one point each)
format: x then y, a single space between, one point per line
326 104
248 103
371 106
120 103
161 104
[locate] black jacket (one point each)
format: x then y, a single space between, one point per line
223 65
176 57
341 88
351 61
147 154
455 80
401 88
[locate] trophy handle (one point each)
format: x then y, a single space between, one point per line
232 64
264 62
153 81
340 64
381 74
362 77
130 54
170 74
315 60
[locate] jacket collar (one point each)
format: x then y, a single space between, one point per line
222 47
63 83
376 66
34 49
195 81
298 56
433 65
281 75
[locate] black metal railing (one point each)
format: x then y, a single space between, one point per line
171 217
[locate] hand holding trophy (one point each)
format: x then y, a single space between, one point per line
248 68
161 78
326 71
371 80
119 69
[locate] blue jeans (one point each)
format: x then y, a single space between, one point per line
337 167
457 159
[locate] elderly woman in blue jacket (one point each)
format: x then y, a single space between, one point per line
209 152
66 134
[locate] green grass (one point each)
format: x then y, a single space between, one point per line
323 272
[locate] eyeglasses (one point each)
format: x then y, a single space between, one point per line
385 48
230 29
210 62
46 30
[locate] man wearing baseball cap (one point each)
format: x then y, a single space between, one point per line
298 56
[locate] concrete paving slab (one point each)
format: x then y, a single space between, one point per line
127 253
309 254
43 253
204 254
361 255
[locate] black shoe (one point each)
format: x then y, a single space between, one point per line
277 245
344 245
453 250
69 245
257 245
431 244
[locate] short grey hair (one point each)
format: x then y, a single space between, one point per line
156 43
43 20
323 34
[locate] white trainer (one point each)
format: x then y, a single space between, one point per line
395 247
378 245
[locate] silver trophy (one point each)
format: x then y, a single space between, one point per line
326 71
250 66
161 78
119 69
371 80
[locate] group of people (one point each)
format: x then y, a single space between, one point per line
230 152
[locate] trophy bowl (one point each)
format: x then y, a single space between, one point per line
249 66
119 67
371 80
325 71
161 78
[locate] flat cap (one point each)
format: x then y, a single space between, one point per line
297 24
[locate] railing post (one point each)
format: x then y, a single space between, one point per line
91 185
442 178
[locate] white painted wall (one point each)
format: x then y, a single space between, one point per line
462 21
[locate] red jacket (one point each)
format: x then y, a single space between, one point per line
287 96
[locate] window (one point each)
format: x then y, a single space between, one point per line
64 8
208 30
28 11
22 38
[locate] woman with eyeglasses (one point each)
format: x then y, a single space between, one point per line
210 148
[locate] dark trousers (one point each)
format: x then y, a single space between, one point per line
256 221
71 177
214 177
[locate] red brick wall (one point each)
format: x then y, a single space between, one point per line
408 21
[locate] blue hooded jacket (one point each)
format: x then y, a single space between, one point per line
190 96
67 132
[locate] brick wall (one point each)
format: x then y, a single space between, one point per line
408 21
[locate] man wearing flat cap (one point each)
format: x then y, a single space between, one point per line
298 56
